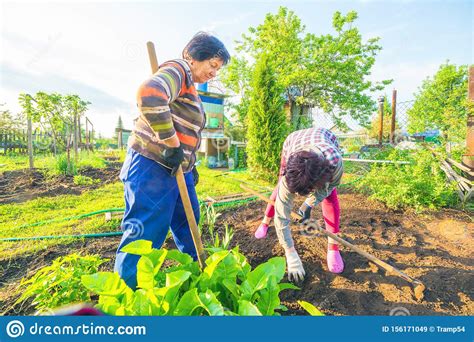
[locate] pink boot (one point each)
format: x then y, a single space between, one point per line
335 262
261 231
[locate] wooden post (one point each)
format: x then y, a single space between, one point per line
119 138
394 113
74 137
468 158
87 134
381 101
30 144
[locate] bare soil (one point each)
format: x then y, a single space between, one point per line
24 185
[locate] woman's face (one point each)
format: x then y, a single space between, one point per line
203 71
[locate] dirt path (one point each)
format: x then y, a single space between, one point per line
434 248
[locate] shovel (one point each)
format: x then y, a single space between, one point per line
183 190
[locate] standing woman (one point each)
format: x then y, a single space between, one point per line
311 163
166 134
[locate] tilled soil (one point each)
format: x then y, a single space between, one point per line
22 185
434 248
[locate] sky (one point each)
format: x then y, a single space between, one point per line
98 49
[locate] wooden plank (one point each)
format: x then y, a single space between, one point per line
461 166
451 178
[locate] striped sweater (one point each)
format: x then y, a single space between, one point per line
169 105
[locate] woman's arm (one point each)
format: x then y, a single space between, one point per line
153 99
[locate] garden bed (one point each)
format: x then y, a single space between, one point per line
435 248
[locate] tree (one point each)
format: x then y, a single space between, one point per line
441 103
266 121
327 71
9 121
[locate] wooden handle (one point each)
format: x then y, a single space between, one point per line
183 189
188 209
356 249
152 56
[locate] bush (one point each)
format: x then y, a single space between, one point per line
226 286
61 166
419 185
60 283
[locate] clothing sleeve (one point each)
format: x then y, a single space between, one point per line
154 97
317 197
283 206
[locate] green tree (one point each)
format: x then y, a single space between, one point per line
266 121
327 71
441 103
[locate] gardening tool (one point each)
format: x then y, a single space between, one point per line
183 190
418 286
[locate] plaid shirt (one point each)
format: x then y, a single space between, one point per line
318 140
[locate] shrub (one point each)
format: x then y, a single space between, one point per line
84 180
60 283
419 185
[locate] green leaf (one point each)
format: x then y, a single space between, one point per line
138 247
157 257
108 304
141 305
310 308
177 278
248 309
189 302
145 273
211 304
269 299
180 257
104 283
213 261
288 286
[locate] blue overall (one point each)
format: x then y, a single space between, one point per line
152 206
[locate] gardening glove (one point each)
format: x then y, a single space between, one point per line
296 271
305 212
173 157
195 175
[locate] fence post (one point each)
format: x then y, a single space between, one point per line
74 141
381 101
394 113
30 144
468 158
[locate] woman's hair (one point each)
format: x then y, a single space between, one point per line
204 46
307 171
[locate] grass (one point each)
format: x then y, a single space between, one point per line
213 183
49 164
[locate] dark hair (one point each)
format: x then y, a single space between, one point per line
204 46
307 171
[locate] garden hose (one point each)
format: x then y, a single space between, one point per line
229 203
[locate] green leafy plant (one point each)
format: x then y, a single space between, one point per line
226 286
60 283
84 180
419 185
310 308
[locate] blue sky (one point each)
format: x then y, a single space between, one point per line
97 49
